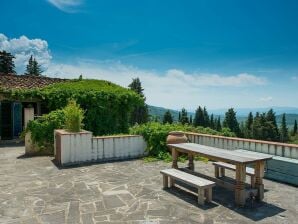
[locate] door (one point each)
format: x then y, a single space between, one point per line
17 119
6 120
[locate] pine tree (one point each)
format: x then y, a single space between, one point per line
167 117
218 124
231 122
284 137
179 117
212 125
295 128
271 126
199 117
248 128
140 113
33 68
184 117
206 118
190 119
7 65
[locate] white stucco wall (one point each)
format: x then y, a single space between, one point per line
82 147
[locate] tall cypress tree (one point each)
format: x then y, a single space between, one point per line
206 118
7 65
295 128
190 119
248 129
140 113
231 122
271 126
184 117
33 68
212 125
167 117
284 136
199 117
218 124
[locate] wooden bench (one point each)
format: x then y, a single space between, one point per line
204 186
219 168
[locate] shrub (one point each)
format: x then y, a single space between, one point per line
42 129
155 135
74 116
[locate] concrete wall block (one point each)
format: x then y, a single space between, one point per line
279 151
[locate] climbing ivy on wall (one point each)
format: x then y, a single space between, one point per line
107 106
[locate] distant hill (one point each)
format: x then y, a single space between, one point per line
290 117
245 111
160 111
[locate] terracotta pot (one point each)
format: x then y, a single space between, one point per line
176 137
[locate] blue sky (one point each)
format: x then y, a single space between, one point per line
187 53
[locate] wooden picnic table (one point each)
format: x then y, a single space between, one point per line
239 159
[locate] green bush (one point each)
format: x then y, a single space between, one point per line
42 129
107 106
74 116
155 135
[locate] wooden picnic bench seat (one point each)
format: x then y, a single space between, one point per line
221 166
204 186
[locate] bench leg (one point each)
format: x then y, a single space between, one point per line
201 196
165 181
259 171
253 181
190 163
172 182
208 194
216 171
222 172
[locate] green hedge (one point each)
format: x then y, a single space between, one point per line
107 106
42 129
155 135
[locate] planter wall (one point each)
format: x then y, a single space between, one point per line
76 148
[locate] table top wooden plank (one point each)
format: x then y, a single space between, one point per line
219 154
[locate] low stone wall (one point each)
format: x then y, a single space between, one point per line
76 148
272 148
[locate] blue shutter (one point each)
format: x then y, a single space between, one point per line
17 119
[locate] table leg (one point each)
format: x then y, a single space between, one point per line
190 162
259 172
240 184
175 158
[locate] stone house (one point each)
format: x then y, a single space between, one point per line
15 114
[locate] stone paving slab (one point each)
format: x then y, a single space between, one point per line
33 190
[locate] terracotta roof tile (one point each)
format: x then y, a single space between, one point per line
12 81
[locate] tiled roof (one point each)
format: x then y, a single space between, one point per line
12 81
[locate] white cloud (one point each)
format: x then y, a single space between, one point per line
173 88
266 99
69 6
23 47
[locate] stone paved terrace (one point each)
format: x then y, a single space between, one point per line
33 190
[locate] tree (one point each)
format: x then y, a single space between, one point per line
167 117
295 128
231 122
179 117
212 125
206 118
6 63
284 137
273 133
199 117
248 127
190 119
218 124
184 117
140 113
33 68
